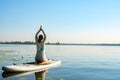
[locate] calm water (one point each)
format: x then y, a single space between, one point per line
78 62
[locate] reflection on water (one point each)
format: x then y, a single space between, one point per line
39 75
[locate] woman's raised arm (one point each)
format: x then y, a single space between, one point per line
43 34
36 35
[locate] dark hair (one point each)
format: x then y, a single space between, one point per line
40 38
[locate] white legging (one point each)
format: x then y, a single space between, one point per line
40 56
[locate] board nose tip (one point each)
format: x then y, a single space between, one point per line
3 68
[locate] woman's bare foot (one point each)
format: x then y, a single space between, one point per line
45 62
42 62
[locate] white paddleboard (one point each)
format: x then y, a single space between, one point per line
25 67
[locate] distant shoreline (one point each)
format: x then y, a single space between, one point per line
58 43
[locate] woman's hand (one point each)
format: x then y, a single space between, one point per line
40 27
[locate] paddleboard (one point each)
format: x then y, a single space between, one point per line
26 67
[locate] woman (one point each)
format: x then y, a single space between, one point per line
40 57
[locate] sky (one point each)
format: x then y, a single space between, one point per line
66 21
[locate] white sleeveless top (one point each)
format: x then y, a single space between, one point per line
40 55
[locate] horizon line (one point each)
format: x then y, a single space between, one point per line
58 43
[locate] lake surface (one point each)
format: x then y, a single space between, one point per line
78 62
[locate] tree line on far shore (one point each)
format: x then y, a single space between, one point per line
17 42
26 42
58 43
